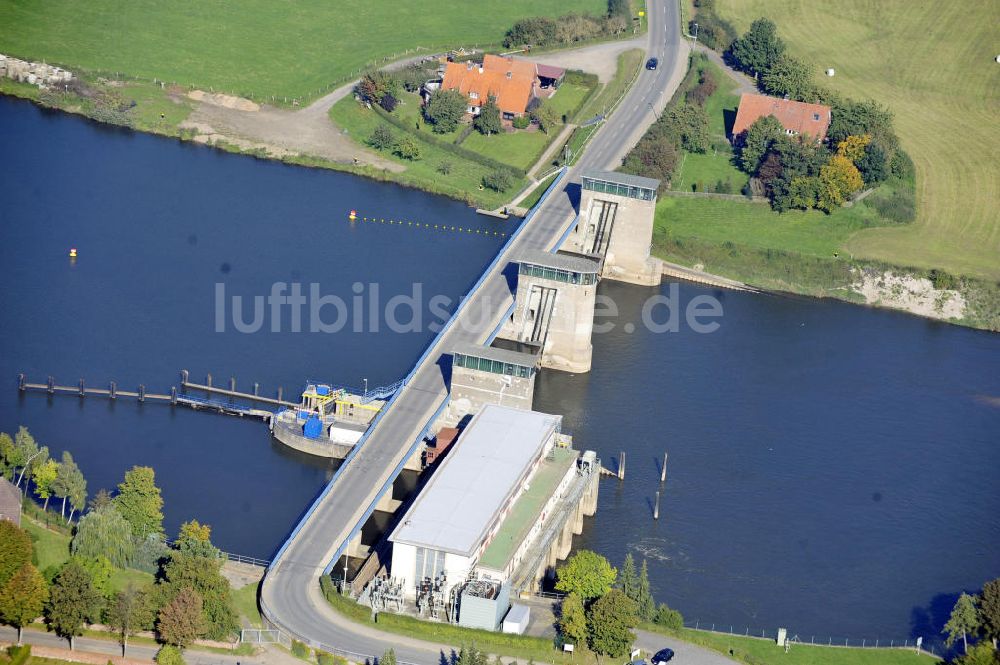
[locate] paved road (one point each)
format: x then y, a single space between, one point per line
290 595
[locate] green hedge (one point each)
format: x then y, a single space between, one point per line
447 145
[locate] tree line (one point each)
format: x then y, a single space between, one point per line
602 606
25 463
541 31
188 598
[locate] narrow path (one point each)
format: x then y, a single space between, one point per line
744 84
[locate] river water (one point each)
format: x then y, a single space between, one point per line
831 467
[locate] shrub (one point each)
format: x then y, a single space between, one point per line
943 280
407 148
324 658
713 32
169 655
389 102
499 180
521 122
535 31
382 138
668 618
701 92
899 207
444 168
299 649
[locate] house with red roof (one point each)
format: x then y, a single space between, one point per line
515 83
798 118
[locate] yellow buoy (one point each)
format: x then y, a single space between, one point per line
72 253
353 216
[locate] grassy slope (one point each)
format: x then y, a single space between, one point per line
932 64
245 600
259 46
766 652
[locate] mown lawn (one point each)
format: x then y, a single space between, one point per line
933 65
259 46
720 220
464 178
518 148
567 99
766 652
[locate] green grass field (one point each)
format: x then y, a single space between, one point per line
567 99
933 65
766 652
754 224
520 148
257 46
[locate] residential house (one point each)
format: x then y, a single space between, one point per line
515 83
798 118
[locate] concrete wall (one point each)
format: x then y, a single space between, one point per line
472 389
624 241
570 311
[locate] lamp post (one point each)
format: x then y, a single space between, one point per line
366 387
695 33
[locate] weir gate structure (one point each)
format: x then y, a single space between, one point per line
551 318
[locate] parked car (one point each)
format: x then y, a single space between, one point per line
652 63
662 656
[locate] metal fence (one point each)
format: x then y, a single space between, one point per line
816 640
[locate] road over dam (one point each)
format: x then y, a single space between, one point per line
290 594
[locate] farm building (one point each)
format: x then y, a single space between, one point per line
798 118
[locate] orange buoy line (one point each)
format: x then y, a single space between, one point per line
427 226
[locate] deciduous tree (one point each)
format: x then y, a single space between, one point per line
789 76
488 120
180 621
73 602
44 475
964 621
70 485
573 620
382 138
22 598
758 48
839 178
100 570
195 538
586 573
546 117
445 109
129 612
204 576
611 620
388 657
853 147
104 532
757 140
873 164
140 503
15 549
25 449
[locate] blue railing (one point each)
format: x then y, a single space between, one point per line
366 394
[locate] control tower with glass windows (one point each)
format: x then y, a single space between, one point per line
554 308
616 225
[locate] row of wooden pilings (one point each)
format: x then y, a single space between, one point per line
663 479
